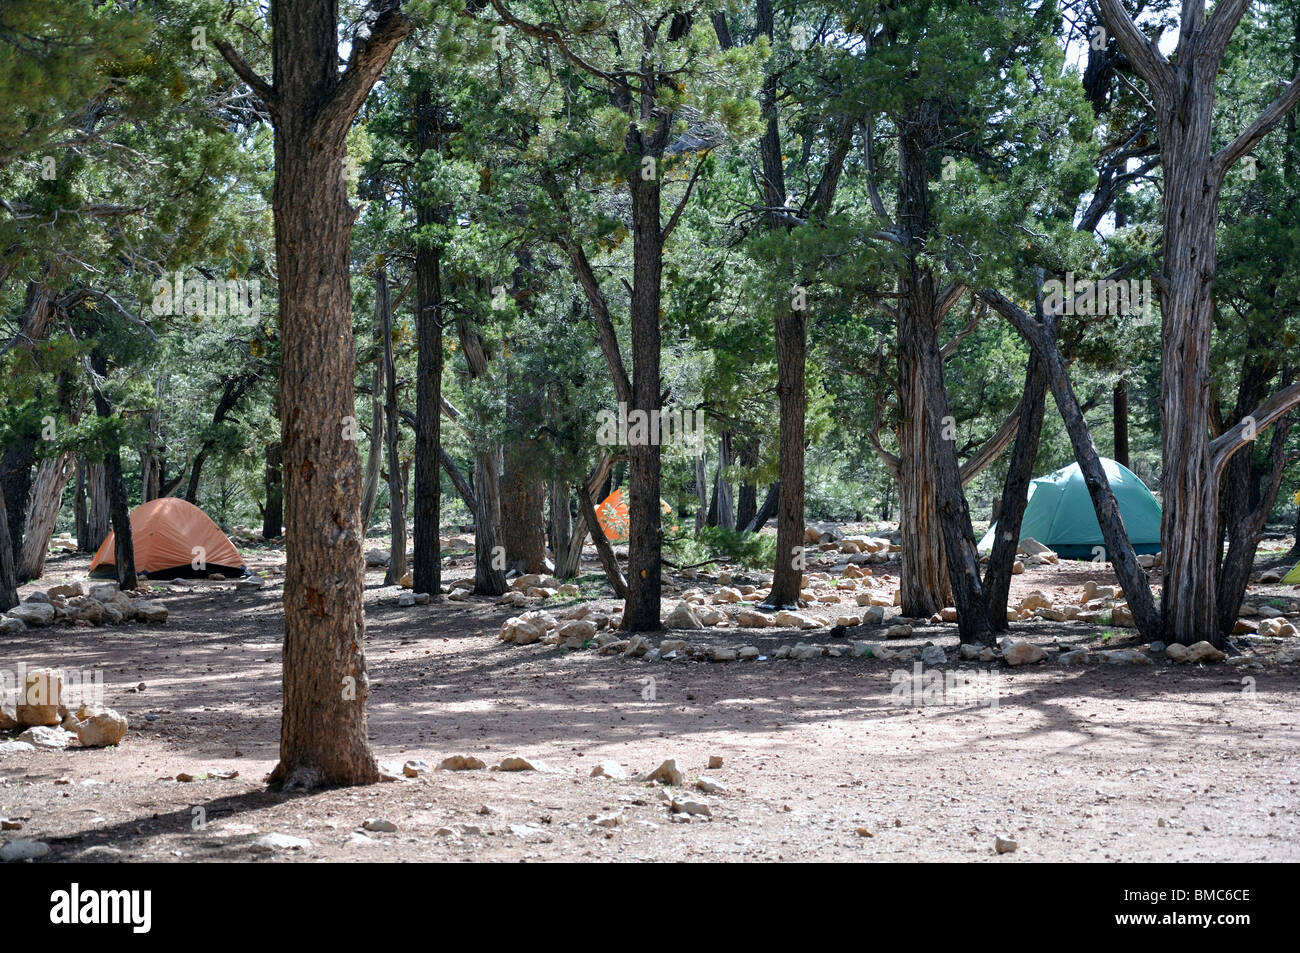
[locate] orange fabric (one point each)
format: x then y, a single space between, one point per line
613 517
164 533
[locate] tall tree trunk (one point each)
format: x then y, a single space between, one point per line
47 497
1119 404
273 512
645 530
8 581
119 508
722 513
323 731
489 551
560 520
701 492
392 435
747 495
80 513
99 515
428 373
1182 92
523 508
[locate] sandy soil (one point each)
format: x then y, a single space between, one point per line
819 760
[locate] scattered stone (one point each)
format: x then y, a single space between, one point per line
753 619
610 769
33 613
15 747
406 599
747 653
1124 657
461 762
41 698
803 652
722 654
899 632
683 617
1270 576
415 768
933 655
1004 845
609 820
45 737
269 843
1022 653
99 727
969 652
710 786
515 763
1075 657
19 850
795 620
692 807
380 825
667 773
715 762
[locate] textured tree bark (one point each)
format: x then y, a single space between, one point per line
559 521
1015 492
273 483
323 730
523 503
8 582
722 510
375 449
747 495
701 493
396 472
428 372
20 456
79 511
792 397
1119 406
645 532
1182 92
489 550
123 544
47 497
99 516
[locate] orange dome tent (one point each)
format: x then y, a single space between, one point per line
613 516
169 536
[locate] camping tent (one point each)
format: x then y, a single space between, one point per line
169 536
1060 512
612 514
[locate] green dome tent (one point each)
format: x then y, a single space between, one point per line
1060 513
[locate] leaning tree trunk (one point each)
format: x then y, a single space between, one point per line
47 497
1119 404
1015 493
323 738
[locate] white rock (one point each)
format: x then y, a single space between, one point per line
99 727
380 825
609 769
269 843
1022 653
682 617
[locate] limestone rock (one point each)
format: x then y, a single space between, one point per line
461 762
99 727
41 697
753 619
899 632
795 620
610 769
1023 653
682 617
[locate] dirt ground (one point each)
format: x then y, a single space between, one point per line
820 760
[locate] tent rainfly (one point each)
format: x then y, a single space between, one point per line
173 539
1060 514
